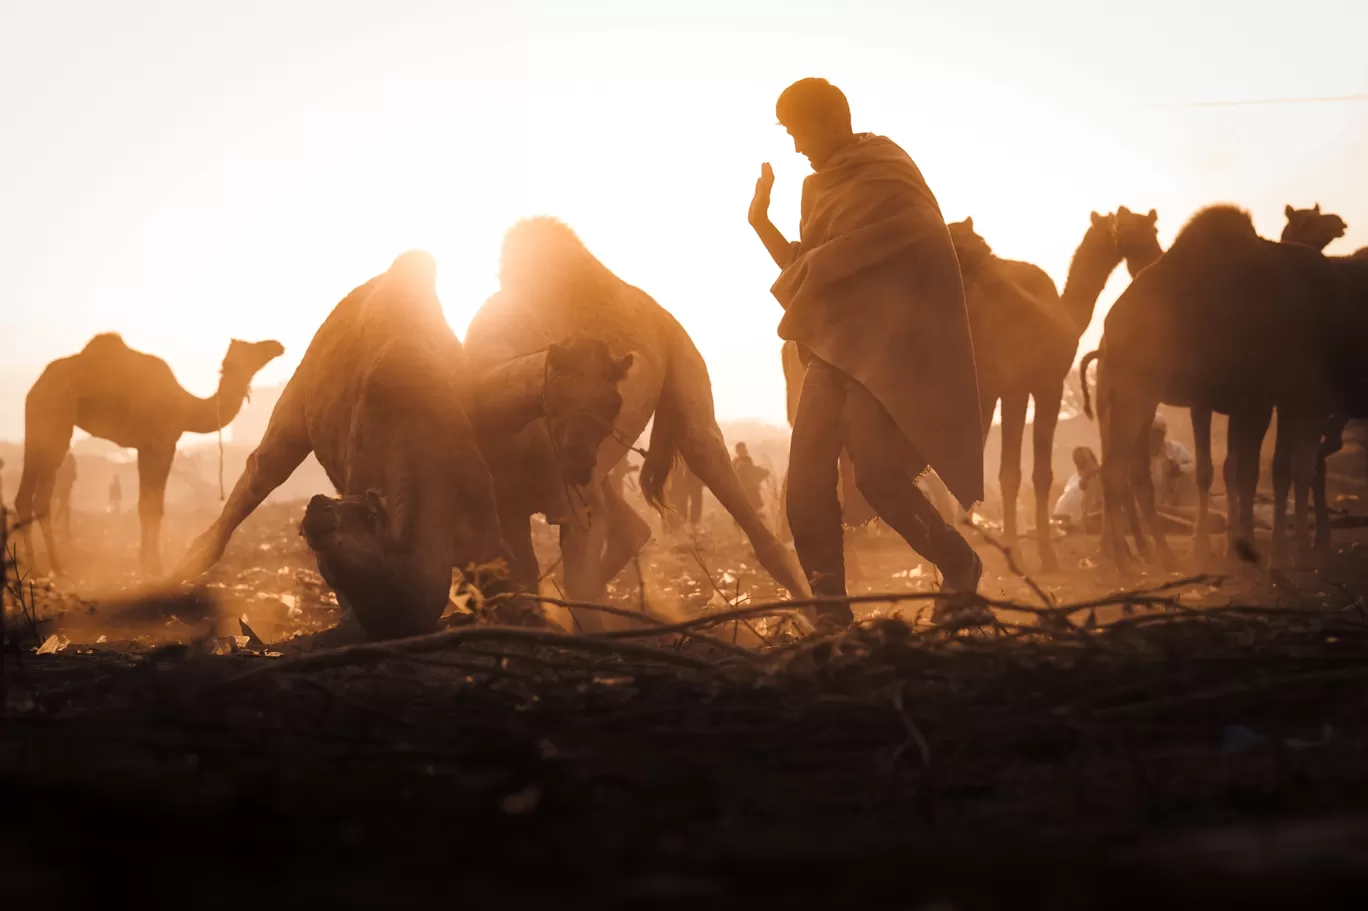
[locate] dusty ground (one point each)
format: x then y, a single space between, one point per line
893 766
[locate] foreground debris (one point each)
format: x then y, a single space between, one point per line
702 768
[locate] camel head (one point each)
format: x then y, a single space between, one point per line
245 359
1136 234
973 251
1311 227
581 402
358 554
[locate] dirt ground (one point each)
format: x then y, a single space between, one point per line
1205 745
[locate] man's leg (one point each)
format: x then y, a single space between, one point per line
814 510
885 465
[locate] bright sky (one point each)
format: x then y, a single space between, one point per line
187 172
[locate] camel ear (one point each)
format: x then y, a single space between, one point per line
623 364
1153 216
1123 211
1316 208
1288 210
969 222
1097 220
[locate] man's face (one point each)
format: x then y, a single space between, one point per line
813 141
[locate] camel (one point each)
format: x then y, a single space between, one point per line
552 287
1169 338
133 400
381 398
1312 429
1025 338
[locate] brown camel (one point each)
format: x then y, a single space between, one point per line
1169 338
1025 338
1312 428
133 400
381 399
552 287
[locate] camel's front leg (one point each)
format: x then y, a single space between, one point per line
284 447
1284 451
1042 470
582 540
1009 469
43 454
154 467
1201 438
627 533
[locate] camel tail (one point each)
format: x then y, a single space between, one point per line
1083 381
660 457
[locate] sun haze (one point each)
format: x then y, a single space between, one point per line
184 177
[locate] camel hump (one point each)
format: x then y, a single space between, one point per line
416 268
1219 223
105 343
543 251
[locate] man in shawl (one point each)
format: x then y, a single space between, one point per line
872 295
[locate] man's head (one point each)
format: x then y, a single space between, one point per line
817 116
1084 459
741 451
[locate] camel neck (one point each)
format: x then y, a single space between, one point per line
1092 265
219 410
510 396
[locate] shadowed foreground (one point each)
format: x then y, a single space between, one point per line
892 766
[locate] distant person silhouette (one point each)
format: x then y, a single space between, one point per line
872 295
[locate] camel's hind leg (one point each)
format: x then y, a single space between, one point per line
1009 469
1042 470
1125 418
282 449
1332 441
706 455
687 399
1201 531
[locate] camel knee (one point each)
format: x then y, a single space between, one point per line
1042 478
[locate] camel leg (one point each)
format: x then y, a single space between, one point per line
627 534
1304 459
1201 438
582 547
1009 470
1125 418
44 451
1247 432
687 398
517 532
1333 441
1284 451
705 453
1142 485
154 467
280 452
1042 470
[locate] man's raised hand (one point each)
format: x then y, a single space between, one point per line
759 207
